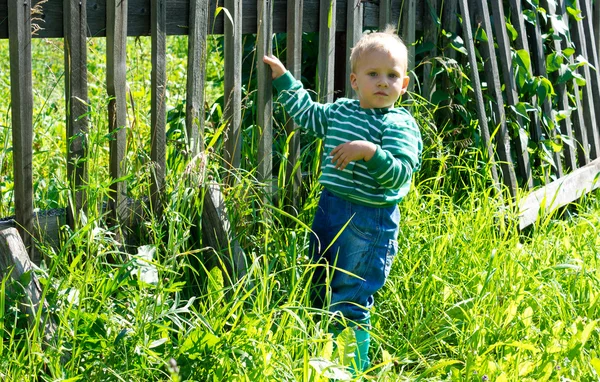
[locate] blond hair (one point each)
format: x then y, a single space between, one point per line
386 40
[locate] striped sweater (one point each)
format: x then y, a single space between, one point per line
383 180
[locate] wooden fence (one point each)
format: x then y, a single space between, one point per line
340 24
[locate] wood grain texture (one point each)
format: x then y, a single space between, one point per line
19 13
196 72
15 263
76 100
559 193
158 113
511 92
326 65
354 17
478 93
264 96
492 75
294 65
178 22
116 68
233 87
589 113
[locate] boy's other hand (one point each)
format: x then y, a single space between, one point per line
352 151
277 68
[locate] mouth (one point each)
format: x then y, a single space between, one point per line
381 94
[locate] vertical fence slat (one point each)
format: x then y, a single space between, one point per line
578 35
430 33
264 95
493 81
596 24
522 156
522 42
563 100
233 85
76 99
196 68
577 117
21 90
481 114
408 22
158 118
327 23
592 57
116 67
385 10
294 65
354 27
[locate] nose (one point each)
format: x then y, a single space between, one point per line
382 83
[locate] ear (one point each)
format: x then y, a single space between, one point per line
353 81
405 82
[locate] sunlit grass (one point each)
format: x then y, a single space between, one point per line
469 297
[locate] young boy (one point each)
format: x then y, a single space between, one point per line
371 150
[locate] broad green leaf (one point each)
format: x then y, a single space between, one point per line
511 31
346 346
328 369
553 62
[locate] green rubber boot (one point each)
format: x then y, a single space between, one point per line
361 361
363 340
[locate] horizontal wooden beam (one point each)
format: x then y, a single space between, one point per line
139 23
559 193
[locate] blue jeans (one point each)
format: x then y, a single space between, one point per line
364 251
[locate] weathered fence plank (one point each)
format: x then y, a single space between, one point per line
264 97
481 113
589 114
294 65
522 43
158 107
353 32
116 67
22 117
178 17
233 86
493 81
384 13
196 68
326 65
408 31
563 100
76 96
431 29
559 193
15 263
592 57
512 97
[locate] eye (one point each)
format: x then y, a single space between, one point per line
393 75
372 74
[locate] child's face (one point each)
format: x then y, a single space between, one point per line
379 78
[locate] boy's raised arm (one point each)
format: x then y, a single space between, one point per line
277 68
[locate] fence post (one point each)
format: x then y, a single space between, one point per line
264 96
493 81
76 100
233 86
21 89
354 27
158 119
196 67
116 67
327 26
294 65
481 114
510 84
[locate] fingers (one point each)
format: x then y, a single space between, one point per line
339 157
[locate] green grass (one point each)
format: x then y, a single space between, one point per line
469 296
